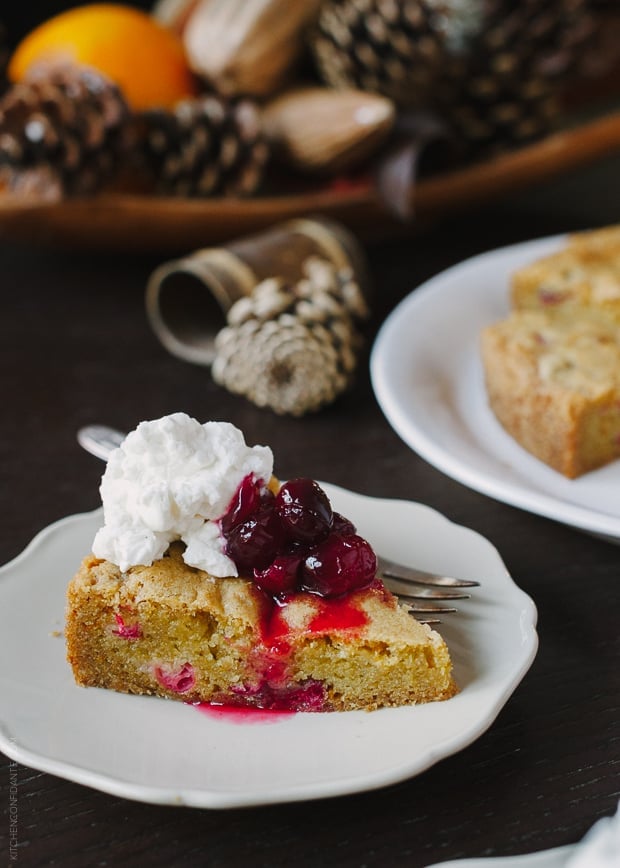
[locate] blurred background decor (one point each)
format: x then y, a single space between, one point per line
238 113
278 316
293 347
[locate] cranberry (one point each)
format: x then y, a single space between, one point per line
281 576
342 525
178 681
126 631
304 510
247 498
255 542
338 565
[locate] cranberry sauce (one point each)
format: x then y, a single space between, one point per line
294 541
339 615
293 546
306 696
242 713
330 615
271 685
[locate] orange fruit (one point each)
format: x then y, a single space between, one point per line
141 56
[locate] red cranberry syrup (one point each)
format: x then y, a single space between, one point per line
293 543
241 713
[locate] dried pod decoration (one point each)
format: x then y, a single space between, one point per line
205 146
491 69
247 46
293 348
174 14
64 131
319 129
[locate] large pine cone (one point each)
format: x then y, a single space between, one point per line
491 68
392 47
206 147
293 348
64 131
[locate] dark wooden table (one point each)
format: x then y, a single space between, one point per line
76 348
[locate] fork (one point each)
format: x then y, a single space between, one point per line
409 584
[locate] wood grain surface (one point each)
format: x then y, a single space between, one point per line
76 348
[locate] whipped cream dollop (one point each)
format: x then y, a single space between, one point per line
171 479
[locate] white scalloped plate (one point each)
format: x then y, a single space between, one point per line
162 751
428 379
556 858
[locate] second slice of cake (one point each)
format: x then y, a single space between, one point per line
553 381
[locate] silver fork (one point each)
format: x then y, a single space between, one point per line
409 584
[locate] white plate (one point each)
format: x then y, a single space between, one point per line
427 376
162 751
556 858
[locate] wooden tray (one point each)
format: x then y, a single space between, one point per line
141 223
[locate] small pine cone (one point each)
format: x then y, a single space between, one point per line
293 349
64 131
206 147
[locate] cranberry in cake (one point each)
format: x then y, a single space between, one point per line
211 582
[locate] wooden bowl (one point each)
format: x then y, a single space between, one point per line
144 223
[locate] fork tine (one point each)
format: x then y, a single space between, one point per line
415 611
391 569
408 592
428 610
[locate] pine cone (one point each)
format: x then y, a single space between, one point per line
491 69
64 131
383 46
293 349
205 147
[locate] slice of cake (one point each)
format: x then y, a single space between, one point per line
553 381
210 582
586 273
175 631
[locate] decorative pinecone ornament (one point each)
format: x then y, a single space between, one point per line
64 131
205 147
490 68
293 348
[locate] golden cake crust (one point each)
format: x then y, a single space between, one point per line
175 631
